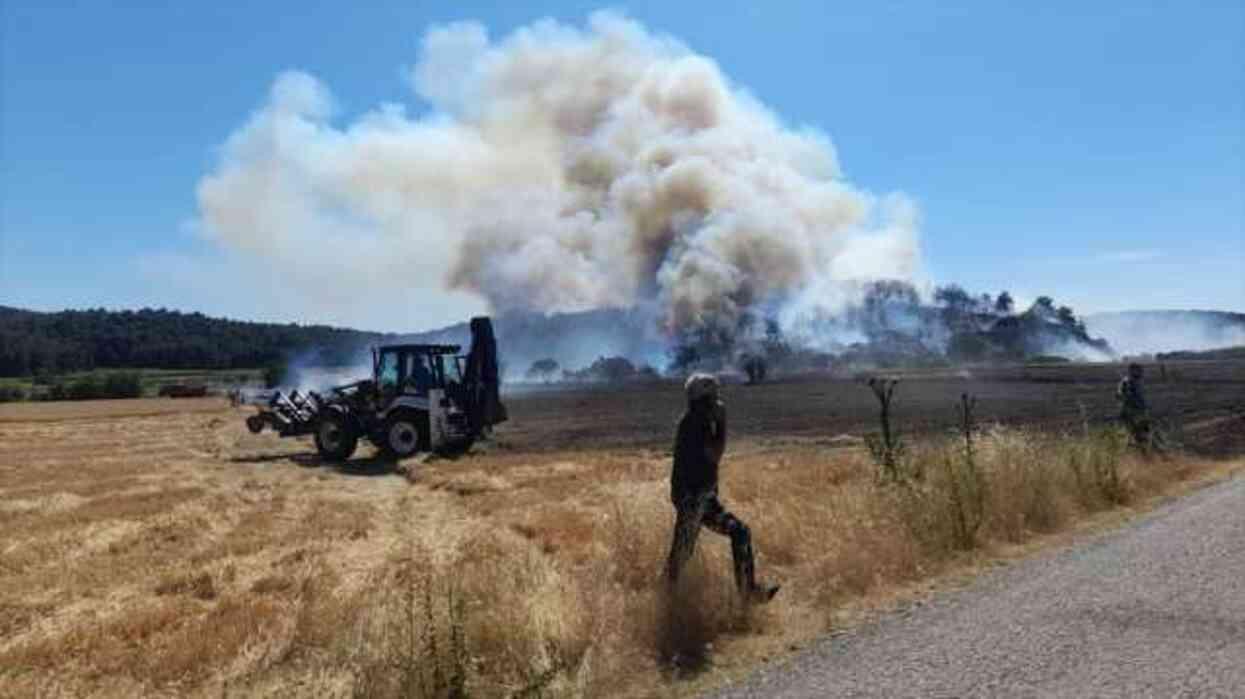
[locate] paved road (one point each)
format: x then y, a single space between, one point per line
1156 609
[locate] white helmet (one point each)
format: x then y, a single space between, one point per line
701 385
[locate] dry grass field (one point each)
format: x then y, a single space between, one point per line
155 548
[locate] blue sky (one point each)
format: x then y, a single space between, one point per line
1090 151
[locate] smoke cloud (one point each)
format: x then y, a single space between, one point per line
1150 332
558 169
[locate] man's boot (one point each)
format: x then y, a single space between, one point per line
763 593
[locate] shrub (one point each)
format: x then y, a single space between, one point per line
966 480
11 394
944 512
1095 464
55 391
93 387
123 385
88 387
1028 489
965 498
608 369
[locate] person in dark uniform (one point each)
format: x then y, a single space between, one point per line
698 446
482 372
1134 411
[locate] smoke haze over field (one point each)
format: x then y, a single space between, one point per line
1149 332
559 169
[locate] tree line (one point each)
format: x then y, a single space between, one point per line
34 343
889 324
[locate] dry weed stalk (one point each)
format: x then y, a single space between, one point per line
886 448
966 482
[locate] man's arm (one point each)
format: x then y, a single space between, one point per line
715 445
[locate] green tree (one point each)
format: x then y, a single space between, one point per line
1004 303
543 369
1043 307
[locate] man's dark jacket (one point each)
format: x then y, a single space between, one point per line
698 446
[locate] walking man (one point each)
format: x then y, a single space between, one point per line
698 447
1134 412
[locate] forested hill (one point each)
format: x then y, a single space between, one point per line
33 342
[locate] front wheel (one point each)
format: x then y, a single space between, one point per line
336 438
405 434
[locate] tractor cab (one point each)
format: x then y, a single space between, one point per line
414 370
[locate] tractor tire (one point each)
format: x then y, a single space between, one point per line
255 424
336 437
406 433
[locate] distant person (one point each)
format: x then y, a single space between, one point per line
698 447
1134 411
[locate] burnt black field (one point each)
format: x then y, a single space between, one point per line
1203 401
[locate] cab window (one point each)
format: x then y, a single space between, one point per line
388 373
421 376
453 372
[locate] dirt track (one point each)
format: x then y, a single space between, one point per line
1156 609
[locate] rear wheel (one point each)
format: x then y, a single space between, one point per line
406 433
336 438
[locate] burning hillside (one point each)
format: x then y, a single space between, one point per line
886 324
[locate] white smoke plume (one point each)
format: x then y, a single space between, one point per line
1150 332
558 169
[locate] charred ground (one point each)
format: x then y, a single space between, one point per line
811 407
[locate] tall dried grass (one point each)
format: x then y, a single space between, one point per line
569 600
511 618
